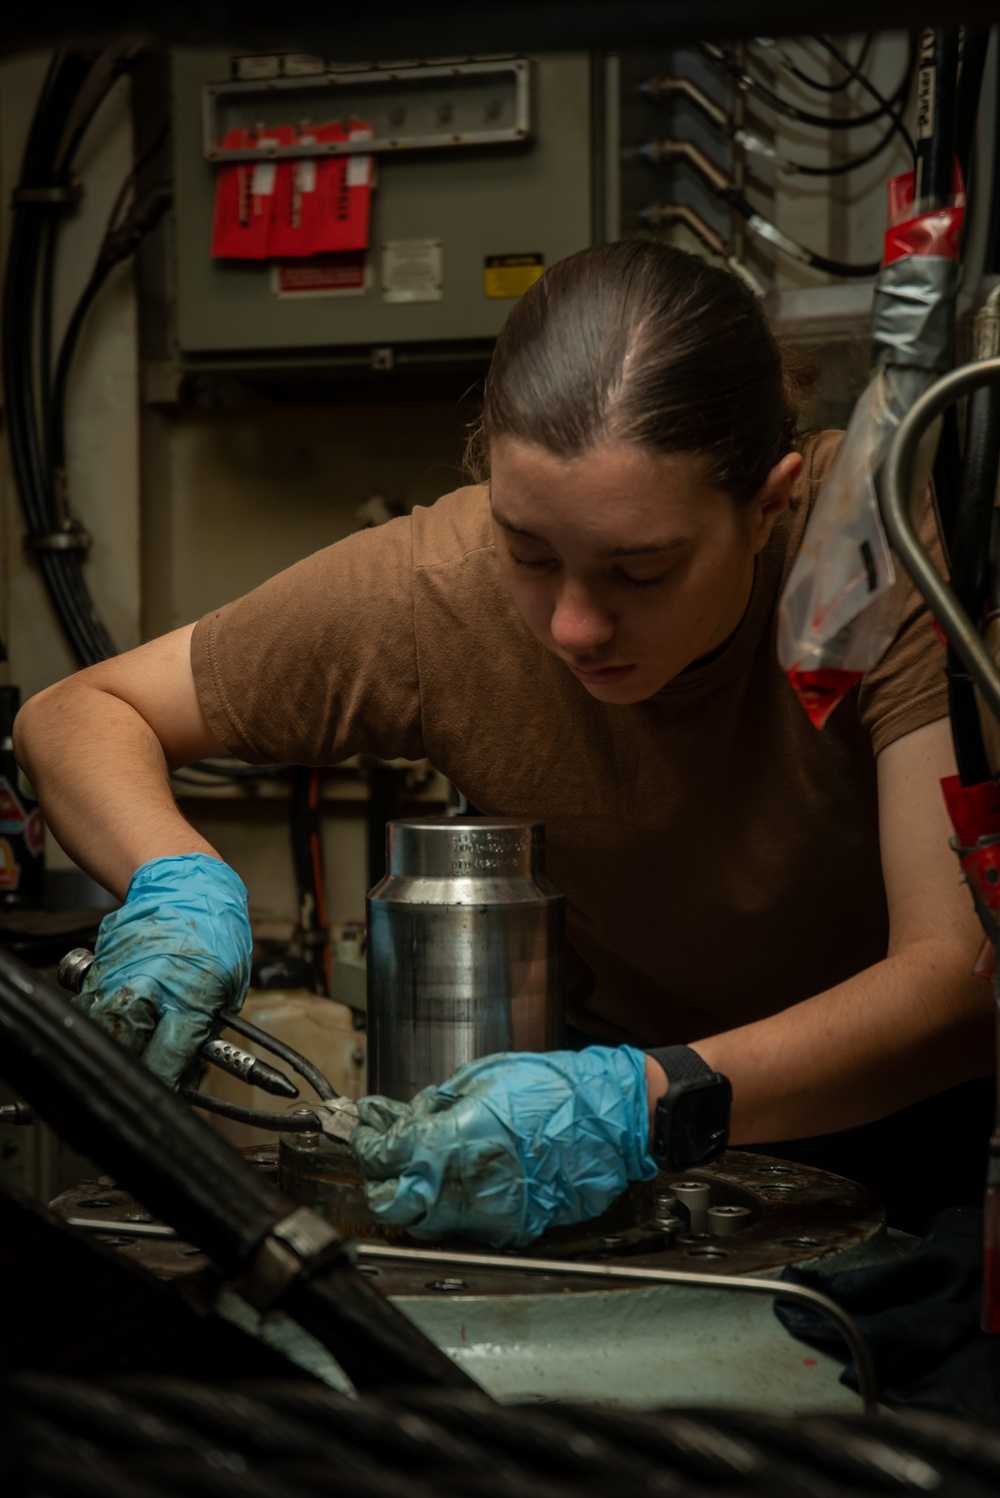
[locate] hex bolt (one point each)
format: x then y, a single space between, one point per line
668 1229
695 1198
725 1221
665 1203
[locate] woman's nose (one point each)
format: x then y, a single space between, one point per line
579 625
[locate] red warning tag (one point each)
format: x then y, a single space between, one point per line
11 810
323 204
245 196
295 208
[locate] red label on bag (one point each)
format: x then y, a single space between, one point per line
936 234
820 691
974 809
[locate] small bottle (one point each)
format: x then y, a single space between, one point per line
22 831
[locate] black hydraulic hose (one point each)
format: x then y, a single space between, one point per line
746 80
96 1094
254 1118
841 83
933 185
841 169
117 245
970 82
57 410
293 1058
894 114
32 224
969 552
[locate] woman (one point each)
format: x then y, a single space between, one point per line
588 640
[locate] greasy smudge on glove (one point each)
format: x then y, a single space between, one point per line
509 1146
176 953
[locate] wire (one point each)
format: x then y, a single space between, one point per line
817 83
279 1123
280 1048
800 169
723 185
746 80
894 114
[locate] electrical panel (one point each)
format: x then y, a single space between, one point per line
483 174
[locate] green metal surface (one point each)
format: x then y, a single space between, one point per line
644 1348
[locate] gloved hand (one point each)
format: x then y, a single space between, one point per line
510 1145
176 953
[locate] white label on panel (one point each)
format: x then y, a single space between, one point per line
412 270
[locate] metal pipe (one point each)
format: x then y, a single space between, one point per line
895 501
778 1289
800 1294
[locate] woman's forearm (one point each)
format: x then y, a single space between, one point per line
98 748
102 780
911 1025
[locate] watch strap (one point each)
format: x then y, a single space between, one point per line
680 1063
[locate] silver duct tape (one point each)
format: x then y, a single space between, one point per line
913 313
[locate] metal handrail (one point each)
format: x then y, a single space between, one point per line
895 491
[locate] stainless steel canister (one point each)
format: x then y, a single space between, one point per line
465 950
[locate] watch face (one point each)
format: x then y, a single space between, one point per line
696 1126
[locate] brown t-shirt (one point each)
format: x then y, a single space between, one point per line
720 856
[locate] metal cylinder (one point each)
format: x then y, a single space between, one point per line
696 1198
726 1220
465 950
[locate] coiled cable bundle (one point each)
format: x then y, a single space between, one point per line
296 1439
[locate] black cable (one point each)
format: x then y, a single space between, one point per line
970 547
842 83
746 80
60 571
117 245
970 82
293 1058
95 1092
843 167
274 1123
71 95
934 182
57 414
895 115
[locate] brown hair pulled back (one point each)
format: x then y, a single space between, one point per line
640 342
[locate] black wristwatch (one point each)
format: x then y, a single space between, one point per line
691 1122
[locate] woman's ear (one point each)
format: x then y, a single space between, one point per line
772 499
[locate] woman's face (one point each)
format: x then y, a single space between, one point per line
624 562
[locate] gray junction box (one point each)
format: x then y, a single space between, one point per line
441 213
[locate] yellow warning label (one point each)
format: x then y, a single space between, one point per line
511 275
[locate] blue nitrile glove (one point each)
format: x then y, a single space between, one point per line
176 953
510 1145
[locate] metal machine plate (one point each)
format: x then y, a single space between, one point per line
797 1213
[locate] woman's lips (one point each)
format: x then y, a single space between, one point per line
600 676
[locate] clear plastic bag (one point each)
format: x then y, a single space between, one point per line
837 615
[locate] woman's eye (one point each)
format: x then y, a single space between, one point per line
533 566
642 582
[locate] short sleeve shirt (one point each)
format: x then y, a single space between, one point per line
719 854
